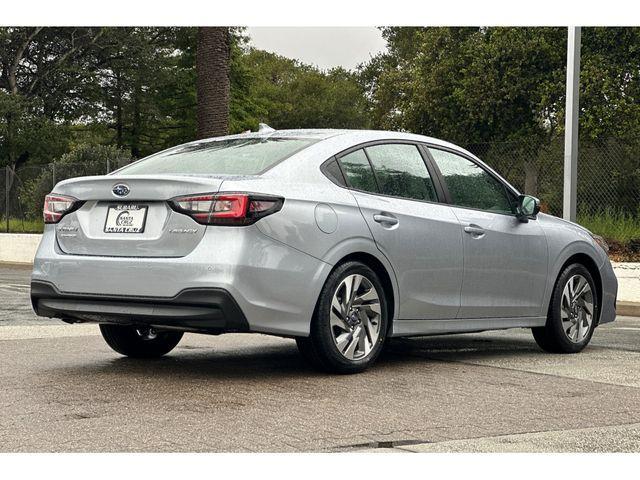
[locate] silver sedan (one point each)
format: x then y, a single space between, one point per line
339 239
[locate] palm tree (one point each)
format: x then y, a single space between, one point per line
212 82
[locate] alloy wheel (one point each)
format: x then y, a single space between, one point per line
576 309
355 317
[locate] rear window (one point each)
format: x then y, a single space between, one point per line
247 156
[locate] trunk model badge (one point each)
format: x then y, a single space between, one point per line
120 190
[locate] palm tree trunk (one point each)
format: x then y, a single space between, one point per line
212 83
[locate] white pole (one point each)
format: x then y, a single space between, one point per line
571 125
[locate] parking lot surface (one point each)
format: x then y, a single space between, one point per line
63 389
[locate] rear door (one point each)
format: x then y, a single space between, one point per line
420 236
505 260
139 223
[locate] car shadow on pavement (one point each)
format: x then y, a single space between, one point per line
464 344
283 361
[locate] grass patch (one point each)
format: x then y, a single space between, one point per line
612 225
17 225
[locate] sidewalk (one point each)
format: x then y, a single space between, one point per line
628 275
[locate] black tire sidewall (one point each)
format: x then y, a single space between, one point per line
124 340
321 334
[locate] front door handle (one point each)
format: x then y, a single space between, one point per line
474 230
385 219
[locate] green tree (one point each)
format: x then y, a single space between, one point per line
500 84
45 80
147 87
286 93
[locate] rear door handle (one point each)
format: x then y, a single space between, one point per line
474 230
385 219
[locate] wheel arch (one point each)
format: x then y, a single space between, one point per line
590 264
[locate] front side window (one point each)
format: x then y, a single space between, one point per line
470 185
358 171
401 171
238 156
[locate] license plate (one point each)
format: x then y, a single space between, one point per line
123 218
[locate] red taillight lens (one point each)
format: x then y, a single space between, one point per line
226 208
57 206
230 206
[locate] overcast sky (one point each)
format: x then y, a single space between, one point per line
325 47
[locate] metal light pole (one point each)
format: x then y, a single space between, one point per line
571 125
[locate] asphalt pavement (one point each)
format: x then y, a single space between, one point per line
63 389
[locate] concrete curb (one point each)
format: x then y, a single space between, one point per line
628 309
18 247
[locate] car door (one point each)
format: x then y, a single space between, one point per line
421 237
505 259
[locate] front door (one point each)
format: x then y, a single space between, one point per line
505 260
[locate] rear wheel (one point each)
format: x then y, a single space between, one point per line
349 326
572 313
139 342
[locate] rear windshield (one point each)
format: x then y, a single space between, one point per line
247 156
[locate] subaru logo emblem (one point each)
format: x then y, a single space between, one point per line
120 190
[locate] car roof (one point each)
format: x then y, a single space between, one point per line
359 136
342 138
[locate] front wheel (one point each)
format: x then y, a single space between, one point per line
349 325
139 342
572 313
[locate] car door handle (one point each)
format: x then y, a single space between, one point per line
385 219
474 230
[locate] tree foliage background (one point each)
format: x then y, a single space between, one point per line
134 88
496 90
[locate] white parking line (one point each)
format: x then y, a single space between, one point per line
28 332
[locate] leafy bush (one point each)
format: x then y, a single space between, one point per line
613 225
83 160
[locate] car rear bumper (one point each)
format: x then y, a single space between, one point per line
275 286
209 310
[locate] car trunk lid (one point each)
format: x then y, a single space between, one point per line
136 223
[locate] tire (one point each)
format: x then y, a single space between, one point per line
572 334
139 342
350 343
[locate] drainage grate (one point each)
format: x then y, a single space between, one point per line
382 444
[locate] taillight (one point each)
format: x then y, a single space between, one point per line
226 208
57 206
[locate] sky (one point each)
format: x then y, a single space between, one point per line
324 47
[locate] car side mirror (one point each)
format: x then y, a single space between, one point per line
528 207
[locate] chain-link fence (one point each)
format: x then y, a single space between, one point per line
23 190
608 179
608 173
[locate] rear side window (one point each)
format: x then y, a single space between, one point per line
470 185
358 171
401 171
246 156
332 170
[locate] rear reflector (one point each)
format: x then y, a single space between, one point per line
57 206
226 208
